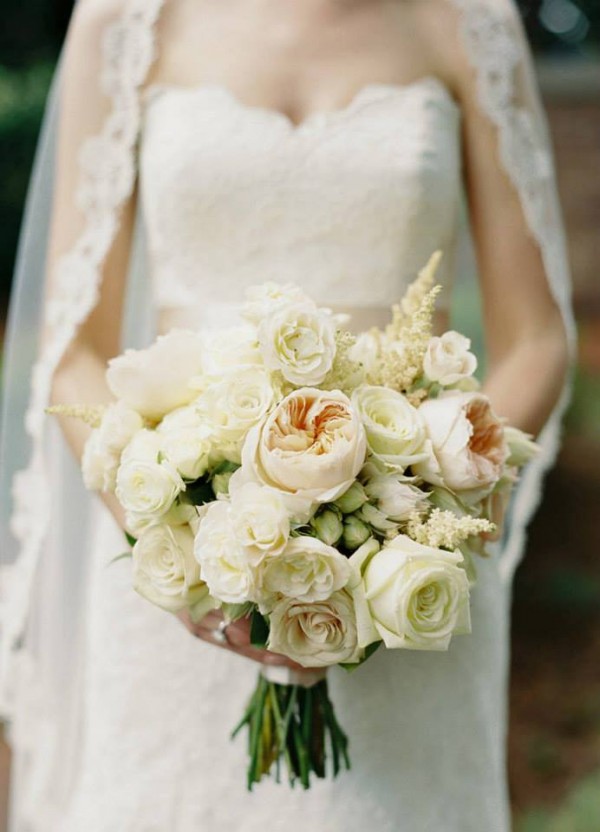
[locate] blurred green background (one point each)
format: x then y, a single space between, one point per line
554 743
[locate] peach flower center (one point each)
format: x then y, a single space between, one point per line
487 438
300 426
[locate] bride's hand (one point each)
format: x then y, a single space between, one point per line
238 639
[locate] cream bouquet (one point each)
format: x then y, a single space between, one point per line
334 488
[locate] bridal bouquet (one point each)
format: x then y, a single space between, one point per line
335 488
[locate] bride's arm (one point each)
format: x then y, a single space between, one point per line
525 334
524 330
80 376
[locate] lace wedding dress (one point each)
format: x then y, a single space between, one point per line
348 204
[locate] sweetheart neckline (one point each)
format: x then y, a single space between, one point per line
318 117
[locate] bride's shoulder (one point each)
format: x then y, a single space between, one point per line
98 13
91 19
449 29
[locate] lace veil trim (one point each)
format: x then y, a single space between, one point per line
107 176
507 95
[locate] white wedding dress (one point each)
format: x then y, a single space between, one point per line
349 205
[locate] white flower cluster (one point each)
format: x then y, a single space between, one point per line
247 480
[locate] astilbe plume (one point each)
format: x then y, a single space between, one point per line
346 373
89 414
444 530
403 343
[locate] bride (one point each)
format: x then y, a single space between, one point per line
192 148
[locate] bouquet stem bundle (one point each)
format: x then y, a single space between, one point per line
294 727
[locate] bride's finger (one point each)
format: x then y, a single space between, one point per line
243 648
237 639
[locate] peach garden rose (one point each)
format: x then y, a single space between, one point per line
468 442
312 446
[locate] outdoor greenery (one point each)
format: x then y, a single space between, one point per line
580 812
22 96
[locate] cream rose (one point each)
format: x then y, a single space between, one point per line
186 441
156 380
166 572
448 359
365 351
318 634
98 466
410 596
312 445
307 570
227 349
299 341
468 442
102 451
265 299
259 520
180 514
235 404
223 563
396 433
146 483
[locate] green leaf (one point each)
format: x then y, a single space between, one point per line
236 611
369 650
198 492
225 467
131 539
259 629
119 557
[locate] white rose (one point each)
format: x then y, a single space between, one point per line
223 563
411 596
102 451
147 484
312 446
397 500
234 405
448 359
263 300
119 425
98 466
156 380
365 351
228 349
186 441
166 572
307 570
299 340
260 521
180 514
396 433
318 634
469 447
144 445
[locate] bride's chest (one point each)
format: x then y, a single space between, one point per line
392 149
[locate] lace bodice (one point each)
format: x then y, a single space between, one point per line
349 204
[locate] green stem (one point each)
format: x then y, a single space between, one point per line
292 724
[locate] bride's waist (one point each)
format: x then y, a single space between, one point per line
217 314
